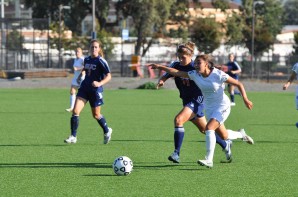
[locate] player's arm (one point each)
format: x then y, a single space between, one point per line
238 69
241 88
169 70
161 81
290 80
102 82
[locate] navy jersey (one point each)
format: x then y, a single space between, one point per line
96 70
232 66
188 89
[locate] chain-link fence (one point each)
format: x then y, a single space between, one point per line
25 45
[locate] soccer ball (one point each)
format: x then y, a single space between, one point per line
122 166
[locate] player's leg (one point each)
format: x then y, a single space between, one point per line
95 104
74 120
72 96
211 126
232 95
200 123
182 117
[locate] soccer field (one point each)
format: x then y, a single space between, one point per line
35 161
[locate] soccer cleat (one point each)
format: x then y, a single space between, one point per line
107 136
245 137
71 140
174 157
228 152
208 164
233 104
69 110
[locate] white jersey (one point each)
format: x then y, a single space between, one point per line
78 65
217 103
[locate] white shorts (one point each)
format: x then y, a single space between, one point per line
219 113
75 83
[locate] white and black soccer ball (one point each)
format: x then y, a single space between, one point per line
122 166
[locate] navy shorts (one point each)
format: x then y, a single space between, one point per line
196 107
92 95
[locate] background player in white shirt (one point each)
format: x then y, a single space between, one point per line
78 77
211 81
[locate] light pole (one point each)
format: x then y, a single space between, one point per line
61 7
93 34
253 35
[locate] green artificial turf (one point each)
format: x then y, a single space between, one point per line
35 162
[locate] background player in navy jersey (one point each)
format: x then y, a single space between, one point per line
97 74
233 70
192 100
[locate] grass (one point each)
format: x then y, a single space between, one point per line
35 161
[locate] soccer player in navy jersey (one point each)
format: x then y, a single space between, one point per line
97 74
233 70
192 100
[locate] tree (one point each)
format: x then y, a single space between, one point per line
14 40
72 17
267 24
206 34
149 18
290 12
234 28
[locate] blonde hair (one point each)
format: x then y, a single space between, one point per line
100 47
186 48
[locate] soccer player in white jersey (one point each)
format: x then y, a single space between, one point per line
192 101
211 81
78 77
292 77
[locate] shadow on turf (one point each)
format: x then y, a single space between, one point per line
186 166
55 165
16 145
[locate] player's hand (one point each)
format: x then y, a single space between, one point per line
159 84
285 86
154 66
96 84
248 104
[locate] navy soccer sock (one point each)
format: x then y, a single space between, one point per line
232 98
178 138
74 124
220 141
103 123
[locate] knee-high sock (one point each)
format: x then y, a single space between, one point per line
210 144
232 135
103 123
72 100
74 124
232 98
178 138
220 141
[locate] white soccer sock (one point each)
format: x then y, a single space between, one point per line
210 144
232 135
72 100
